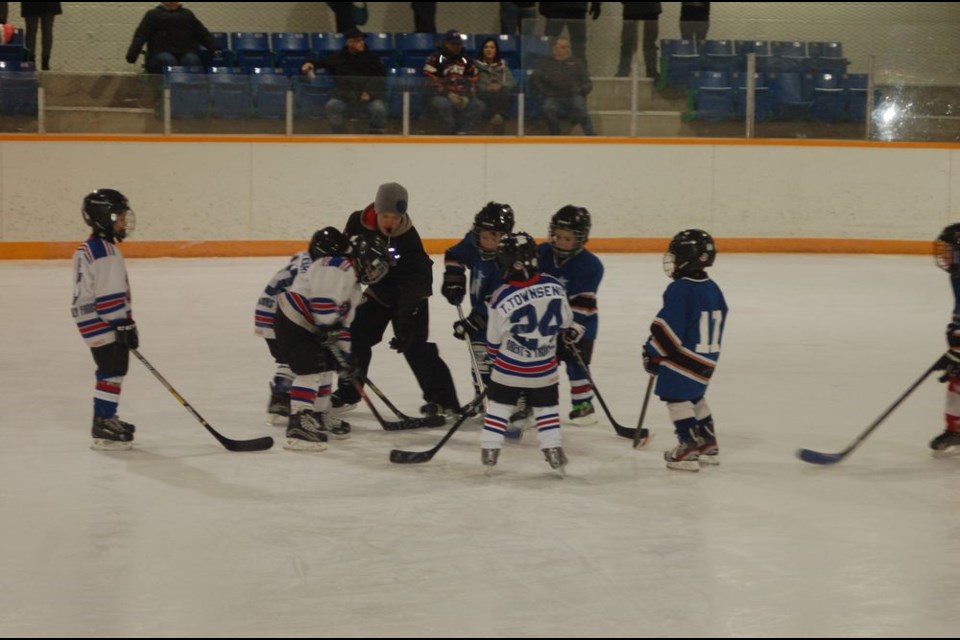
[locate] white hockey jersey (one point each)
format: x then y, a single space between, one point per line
101 291
522 331
281 281
326 293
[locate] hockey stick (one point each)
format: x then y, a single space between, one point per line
416 457
405 422
257 444
642 436
623 432
473 356
816 457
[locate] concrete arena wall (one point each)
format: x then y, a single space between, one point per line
264 196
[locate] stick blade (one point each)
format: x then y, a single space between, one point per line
642 438
410 457
414 423
257 444
816 457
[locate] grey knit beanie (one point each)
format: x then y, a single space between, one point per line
391 198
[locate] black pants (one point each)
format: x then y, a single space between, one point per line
299 349
423 357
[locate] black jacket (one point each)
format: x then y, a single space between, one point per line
553 78
411 279
565 10
355 73
641 10
177 32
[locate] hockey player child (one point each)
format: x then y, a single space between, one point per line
565 258
315 313
947 255
278 408
476 252
102 310
684 347
526 317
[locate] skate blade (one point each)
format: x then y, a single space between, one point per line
100 444
949 452
709 460
296 444
684 465
585 421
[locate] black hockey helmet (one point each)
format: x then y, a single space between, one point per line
946 250
370 258
328 241
493 217
102 208
570 218
517 257
690 252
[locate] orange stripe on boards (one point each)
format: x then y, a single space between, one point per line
436 246
473 140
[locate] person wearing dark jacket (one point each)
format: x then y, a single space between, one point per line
453 76
573 15
400 299
172 34
39 15
694 21
563 83
360 78
649 14
518 18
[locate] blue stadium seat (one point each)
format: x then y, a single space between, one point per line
759 47
792 98
310 95
229 93
789 56
290 51
678 58
269 93
325 44
827 57
856 85
713 95
251 49
382 44
224 57
719 55
18 90
415 48
189 92
829 97
763 103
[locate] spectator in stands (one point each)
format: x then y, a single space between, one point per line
694 21
494 83
573 15
649 14
424 17
172 35
561 80
39 15
518 18
454 78
343 15
360 78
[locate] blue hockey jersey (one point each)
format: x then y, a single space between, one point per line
484 276
687 334
580 276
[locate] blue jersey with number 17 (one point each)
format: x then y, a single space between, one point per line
522 328
687 334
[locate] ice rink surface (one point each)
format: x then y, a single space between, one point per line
180 537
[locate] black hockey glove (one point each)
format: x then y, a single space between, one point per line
127 334
949 363
472 325
572 334
651 364
327 335
349 371
454 285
